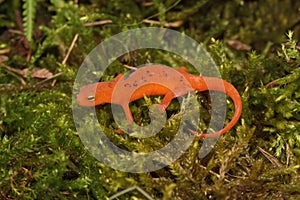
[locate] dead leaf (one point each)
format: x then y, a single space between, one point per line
238 45
37 73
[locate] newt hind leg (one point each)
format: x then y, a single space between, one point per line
182 69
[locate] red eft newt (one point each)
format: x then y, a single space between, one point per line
152 80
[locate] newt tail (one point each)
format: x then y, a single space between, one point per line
234 95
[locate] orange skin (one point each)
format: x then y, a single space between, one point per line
153 80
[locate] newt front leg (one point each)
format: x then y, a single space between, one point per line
129 117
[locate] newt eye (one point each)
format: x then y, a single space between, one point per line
91 98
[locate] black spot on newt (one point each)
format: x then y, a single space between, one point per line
149 73
144 79
165 74
127 85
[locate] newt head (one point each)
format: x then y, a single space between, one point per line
95 94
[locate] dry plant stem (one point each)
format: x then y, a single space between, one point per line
52 77
175 24
98 23
11 69
63 62
28 55
70 49
130 67
272 83
53 83
15 31
146 4
270 157
288 153
4 51
214 173
13 72
17 77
